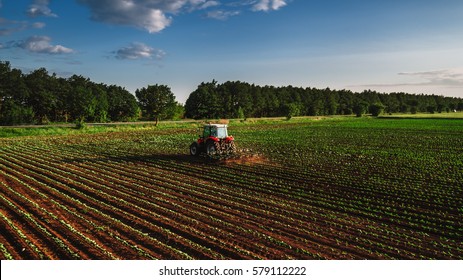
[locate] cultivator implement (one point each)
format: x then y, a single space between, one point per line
230 155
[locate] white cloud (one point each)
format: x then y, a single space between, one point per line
267 5
12 26
447 77
38 25
139 51
221 15
145 14
150 15
41 44
156 15
201 4
208 4
448 82
40 8
174 6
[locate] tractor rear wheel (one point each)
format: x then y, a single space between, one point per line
212 148
194 149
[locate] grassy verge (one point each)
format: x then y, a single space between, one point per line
60 129
6 132
457 115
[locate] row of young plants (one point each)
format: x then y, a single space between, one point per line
235 194
126 192
100 200
335 204
40 229
427 181
322 190
40 211
22 159
111 172
40 189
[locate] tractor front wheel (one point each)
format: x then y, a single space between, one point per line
194 149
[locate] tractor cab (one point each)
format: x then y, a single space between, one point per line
214 130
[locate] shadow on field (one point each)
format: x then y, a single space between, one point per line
179 159
219 160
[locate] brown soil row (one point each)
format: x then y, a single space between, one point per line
156 208
174 227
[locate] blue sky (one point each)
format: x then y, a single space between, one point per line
414 46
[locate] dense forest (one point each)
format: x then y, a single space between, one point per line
241 100
40 98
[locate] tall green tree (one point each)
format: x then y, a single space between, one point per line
82 101
376 109
14 95
331 104
102 105
204 102
42 97
122 105
176 112
292 110
156 101
360 107
63 107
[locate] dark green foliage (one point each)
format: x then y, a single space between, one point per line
431 109
360 108
176 112
292 110
39 98
231 99
241 114
81 98
80 124
376 109
157 102
14 94
15 114
205 102
42 98
122 104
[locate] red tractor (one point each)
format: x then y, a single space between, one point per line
213 141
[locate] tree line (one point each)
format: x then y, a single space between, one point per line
40 98
241 100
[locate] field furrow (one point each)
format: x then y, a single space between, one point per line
326 194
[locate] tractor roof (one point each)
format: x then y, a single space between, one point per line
216 125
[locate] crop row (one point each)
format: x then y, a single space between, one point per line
141 202
324 194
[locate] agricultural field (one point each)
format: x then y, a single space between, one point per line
335 188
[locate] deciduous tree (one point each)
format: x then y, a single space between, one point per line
156 101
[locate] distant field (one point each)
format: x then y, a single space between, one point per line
316 188
70 129
452 115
